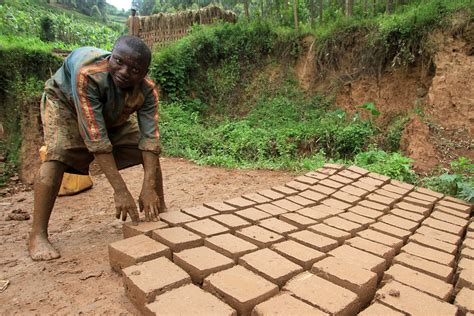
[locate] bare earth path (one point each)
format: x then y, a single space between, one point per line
82 226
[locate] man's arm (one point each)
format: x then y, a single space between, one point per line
149 200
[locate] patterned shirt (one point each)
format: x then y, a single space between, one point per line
85 86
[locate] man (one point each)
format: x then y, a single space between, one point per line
86 112
133 23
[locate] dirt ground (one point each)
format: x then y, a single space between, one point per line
81 281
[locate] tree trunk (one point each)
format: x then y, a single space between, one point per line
349 4
312 11
374 7
366 5
246 9
389 7
295 14
321 11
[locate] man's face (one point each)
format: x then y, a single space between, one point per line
126 66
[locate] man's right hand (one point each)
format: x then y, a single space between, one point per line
125 204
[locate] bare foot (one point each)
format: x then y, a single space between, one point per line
41 249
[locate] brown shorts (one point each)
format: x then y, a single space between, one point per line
65 144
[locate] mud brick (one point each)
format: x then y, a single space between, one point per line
231 221
433 243
456 200
312 195
379 177
364 186
259 236
171 303
317 214
407 215
424 197
346 197
240 288
358 280
331 183
311 288
353 190
468 243
297 185
327 171
297 219
465 264
391 230
359 170
377 309
413 302
298 199
201 261
229 245
413 208
142 284
451 211
313 240
285 304
444 226
323 189
399 222
270 265
333 203
331 232
439 235
418 202
177 238
360 258
467 253
374 205
350 174
420 281
221 207
430 192
176 218
130 251
431 268
457 206
317 175
206 227
298 253
371 181
333 166
343 224
395 189
374 248
465 300
365 211
271 209
356 218
306 180
253 215
449 218
287 205
403 185
340 179
278 226
284 190
256 197
240 202
199 211
382 199
381 238
465 280
389 194
130 230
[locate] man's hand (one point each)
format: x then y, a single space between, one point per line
125 204
150 203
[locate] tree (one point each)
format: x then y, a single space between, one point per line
321 11
389 7
295 14
349 5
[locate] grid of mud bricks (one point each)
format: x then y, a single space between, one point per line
337 241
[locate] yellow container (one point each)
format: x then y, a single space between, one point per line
72 183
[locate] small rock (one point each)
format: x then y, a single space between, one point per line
394 293
21 200
18 215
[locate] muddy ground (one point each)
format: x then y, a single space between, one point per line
82 226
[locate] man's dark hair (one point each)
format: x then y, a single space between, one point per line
137 44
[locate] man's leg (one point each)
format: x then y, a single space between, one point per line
159 185
47 185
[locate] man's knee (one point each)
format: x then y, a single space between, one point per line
50 172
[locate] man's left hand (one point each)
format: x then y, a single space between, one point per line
150 203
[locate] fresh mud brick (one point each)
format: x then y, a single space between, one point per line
431 268
312 195
199 211
284 190
287 205
346 197
395 189
413 302
465 280
327 171
278 226
322 189
366 212
298 253
171 303
467 253
356 218
343 224
381 238
439 235
468 243
130 251
331 183
371 181
403 185
130 230
374 248
201 261
256 198
333 166
430 192
358 170
285 304
298 199
317 175
451 211
465 300
177 238
331 232
297 185
360 258
420 281
449 218
418 202
176 218
259 236
399 222
374 205
229 245
333 203
381 199
391 230
270 265
231 221
433 243
327 209
341 179
458 207
206 227
421 196
252 214
312 289
317 214
272 195
297 219
350 174
271 209
389 194
364 186
377 309
456 200
379 177
444 226
221 207
240 202
313 240
306 180
143 282
358 280
240 288
407 215
465 264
